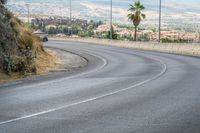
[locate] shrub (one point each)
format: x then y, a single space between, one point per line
24 63
8 64
114 35
167 40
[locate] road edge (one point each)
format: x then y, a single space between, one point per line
170 48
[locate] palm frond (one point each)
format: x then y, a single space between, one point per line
143 16
136 14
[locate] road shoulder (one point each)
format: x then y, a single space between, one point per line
56 60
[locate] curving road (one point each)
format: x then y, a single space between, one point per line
120 91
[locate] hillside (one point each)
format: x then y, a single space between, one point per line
21 51
185 14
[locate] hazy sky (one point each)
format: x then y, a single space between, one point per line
187 4
190 2
172 9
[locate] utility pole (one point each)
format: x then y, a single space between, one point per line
70 16
28 8
159 28
61 16
70 10
111 23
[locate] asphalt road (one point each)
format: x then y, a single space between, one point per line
120 91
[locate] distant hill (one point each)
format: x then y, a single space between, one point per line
173 11
19 47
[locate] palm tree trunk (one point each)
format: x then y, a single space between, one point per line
135 38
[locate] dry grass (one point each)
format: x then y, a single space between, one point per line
18 49
46 62
6 78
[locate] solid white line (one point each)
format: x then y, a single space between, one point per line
90 99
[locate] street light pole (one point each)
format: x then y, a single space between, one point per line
159 28
28 7
111 23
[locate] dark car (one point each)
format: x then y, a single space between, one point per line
42 35
45 38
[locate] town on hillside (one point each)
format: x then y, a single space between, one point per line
64 27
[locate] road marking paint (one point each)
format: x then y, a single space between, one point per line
90 99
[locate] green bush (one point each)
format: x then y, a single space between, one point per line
24 64
167 40
114 35
8 64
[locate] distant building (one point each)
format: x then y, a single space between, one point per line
191 37
104 28
172 35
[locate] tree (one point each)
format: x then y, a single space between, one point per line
114 35
52 30
136 15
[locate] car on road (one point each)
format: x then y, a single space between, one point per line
45 38
42 35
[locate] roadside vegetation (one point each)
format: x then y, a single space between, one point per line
76 27
167 40
20 49
18 44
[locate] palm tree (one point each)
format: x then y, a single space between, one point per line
136 15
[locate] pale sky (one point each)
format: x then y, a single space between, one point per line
187 10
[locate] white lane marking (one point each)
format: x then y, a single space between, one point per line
90 99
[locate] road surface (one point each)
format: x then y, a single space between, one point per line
120 91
